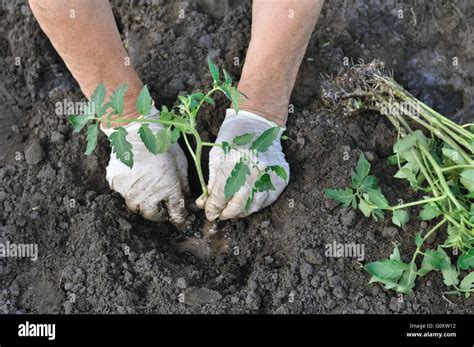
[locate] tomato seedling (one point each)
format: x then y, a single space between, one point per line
435 155
180 121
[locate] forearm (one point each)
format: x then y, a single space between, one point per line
86 37
280 34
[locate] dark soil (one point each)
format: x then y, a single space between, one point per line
116 262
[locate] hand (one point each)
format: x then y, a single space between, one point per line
221 165
153 180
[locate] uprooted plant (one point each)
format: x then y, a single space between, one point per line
435 155
179 121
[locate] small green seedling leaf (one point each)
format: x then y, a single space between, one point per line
418 239
175 134
264 183
345 196
400 217
395 254
279 171
466 260
429 212
227 77
377 198
450 276
467 179
226 147
144 101
78 122
386 269
361 171
148 138
92 133
244 139
369 182
437 260
237 179
163 140
117 99
213 70
365 208
405 144
467 282
98 97
265 140
121 147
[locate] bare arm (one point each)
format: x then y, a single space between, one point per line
280 33
86 37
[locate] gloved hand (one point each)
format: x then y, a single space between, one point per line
221 165
153 180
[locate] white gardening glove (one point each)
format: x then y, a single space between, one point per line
153 179
221 165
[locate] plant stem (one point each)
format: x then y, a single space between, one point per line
210 144
455 167
418 202
197 162
143 120
417 250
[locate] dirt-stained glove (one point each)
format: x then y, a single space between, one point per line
153 180
221 165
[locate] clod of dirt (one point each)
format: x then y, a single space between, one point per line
34 153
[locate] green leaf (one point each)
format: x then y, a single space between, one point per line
243 139
387 269
407 281
466 260
450 276
361 171
405 144
369 182
265 140
165 114
279 171
429 212
400 217
249 199
377 198
365 208
148 138
121 147
395 254
98 97
467 179
237 179
378 214
163 140
418 239
264 183
144 101
227 77
226 147
437 260
467 282
453 155
209 100
235 97
92 132
78 122
342 196
175 134
213 69
116 99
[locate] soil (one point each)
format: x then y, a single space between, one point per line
97 257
